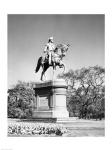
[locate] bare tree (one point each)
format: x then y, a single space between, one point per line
86 92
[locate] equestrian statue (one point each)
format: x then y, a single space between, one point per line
52 56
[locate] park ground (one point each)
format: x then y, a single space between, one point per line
79 127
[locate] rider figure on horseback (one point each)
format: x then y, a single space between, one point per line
49 50
53 56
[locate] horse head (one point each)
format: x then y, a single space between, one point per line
63 48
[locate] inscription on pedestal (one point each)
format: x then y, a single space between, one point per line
43 103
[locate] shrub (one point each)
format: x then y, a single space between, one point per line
21 101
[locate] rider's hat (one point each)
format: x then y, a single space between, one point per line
51 38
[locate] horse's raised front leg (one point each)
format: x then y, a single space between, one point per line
63 66
54 71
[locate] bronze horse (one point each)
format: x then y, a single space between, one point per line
45 63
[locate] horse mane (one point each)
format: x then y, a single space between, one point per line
62 47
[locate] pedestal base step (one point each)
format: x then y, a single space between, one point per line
42 114
50 120
42 120
50 114
65 120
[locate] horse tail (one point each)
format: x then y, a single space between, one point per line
38 64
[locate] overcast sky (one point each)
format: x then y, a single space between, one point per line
27 35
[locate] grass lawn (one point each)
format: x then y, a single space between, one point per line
82 128
78 127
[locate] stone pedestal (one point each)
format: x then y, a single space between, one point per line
53 95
